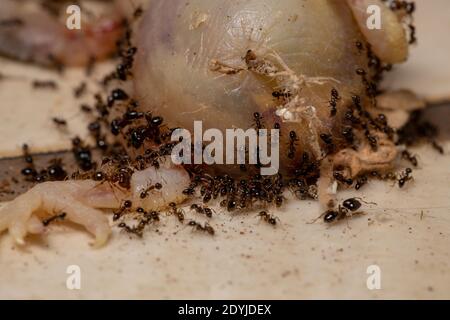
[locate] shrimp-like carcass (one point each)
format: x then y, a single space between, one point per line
29 33
81 201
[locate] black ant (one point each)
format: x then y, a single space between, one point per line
333 102
206 228
202 210
411 158
412 34
45 84
138 12
359 45
349 207
281 94
47 221
133 230
270 219
59 122
117 95
373 141
437 147
190 190
347 133
257 118
80 90
405 177
156 186
360 182
126 206
340 178
292 142
179 213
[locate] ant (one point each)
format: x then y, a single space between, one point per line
437 147
59 122
190 190
80 90
347 133
179 213
292 142
411 158
257 118
133 230
333 102
405 177
412 34
202 210
156 186
360 182
340 178
328 140
270 219
126 206
85 108
359 46
373 141
281 94
348 208
138 12
47 221
117 95
45 84
206 228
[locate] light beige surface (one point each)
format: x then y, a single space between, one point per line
247 258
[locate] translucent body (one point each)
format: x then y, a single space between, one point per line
179 44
